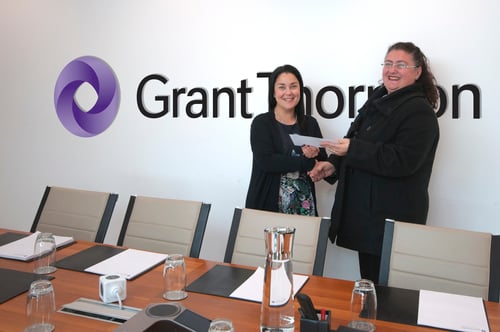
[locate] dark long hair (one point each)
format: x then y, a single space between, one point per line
299 109
427 79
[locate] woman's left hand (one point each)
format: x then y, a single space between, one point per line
310 151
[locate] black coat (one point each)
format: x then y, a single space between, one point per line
386 171
270 161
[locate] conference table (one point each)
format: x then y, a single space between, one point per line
328 293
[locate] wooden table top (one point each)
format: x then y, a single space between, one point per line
331 294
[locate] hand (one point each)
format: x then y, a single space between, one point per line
338 148
321 170
310 151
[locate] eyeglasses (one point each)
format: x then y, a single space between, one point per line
398 65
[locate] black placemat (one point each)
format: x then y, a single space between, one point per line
221 280
397 305
88 257
13 283
9 237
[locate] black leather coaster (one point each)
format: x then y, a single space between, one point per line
221 280
16 282
397 305
88 257
6 238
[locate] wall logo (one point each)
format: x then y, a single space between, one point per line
101 77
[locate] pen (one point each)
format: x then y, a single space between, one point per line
323 314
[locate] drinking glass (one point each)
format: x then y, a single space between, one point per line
221 325
40 306
45 253
174 277
363 306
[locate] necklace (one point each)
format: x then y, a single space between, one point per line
285 120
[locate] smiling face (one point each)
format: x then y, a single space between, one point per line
287 91
401 73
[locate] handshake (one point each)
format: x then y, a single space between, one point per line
323 169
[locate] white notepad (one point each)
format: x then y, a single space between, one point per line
23 249
251 289
452 312
128 263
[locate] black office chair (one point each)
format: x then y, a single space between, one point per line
164 225
441 259
82 214
246 244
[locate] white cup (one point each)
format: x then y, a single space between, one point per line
174 278
40 306
45 253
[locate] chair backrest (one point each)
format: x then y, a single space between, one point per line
164 225
440 259
82 214
246 244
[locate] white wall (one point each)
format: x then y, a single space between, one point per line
214 44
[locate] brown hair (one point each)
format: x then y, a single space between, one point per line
427 79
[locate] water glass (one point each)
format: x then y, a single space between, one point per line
363 306
40 306
45 253
174 278
221 325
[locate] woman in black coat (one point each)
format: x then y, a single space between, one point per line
384 163
279 180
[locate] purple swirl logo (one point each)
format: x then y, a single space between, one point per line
101 77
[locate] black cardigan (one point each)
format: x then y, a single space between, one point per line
270 160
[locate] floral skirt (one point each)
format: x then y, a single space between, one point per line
295 195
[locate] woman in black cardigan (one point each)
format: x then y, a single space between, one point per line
384 163
279 180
